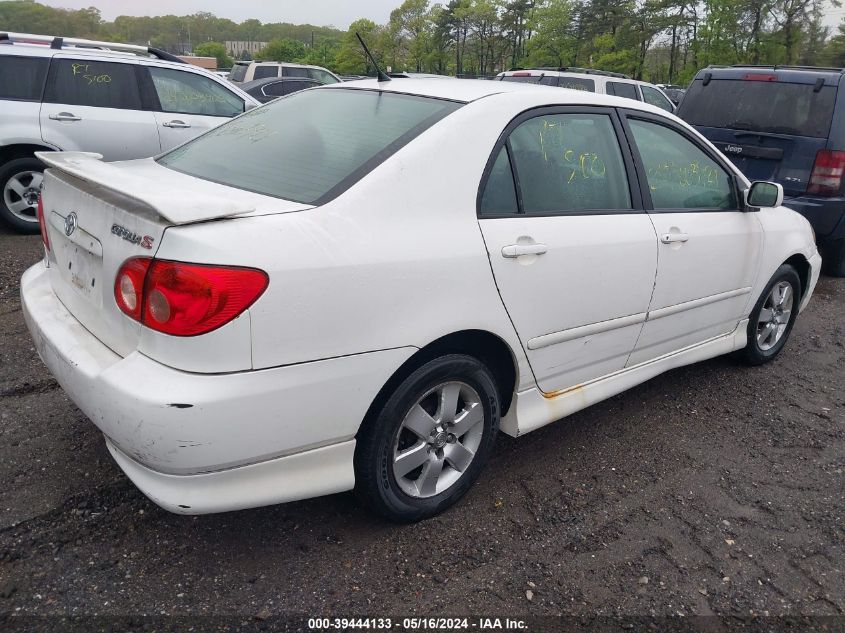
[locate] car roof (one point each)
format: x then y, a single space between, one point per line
25 49
470 90
787 74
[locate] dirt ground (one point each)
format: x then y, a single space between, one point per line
713 489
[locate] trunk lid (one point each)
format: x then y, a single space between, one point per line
98 215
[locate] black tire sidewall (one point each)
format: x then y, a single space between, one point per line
7 171
752 352
374 460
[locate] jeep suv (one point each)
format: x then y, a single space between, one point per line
243 72
785 124
598 81
118 100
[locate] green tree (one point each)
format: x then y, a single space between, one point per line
216 50
350 58
285 50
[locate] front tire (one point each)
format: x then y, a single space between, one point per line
772 318
20 184
428 443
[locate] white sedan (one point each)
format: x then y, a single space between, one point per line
358 286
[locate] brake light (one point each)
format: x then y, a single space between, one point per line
760 77
826 178
41 223
184 299
522 75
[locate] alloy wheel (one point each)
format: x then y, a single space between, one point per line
774 315
438 440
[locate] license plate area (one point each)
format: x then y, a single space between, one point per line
79 259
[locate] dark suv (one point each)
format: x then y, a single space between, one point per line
784 124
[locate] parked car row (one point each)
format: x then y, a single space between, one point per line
121 101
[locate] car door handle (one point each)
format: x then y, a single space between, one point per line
669 238
515 250
64 116
177 124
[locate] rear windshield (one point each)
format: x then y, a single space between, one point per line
760 106
238 72
311 146
523 79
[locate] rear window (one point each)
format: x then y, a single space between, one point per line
238 72
310 147
760 106
523 79
22 78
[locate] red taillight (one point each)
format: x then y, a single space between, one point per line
521 75
42 225
185 299
826 179
760 77
129 286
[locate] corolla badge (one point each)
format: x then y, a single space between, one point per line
71 222
144 241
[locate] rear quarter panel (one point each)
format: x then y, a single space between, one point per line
396 261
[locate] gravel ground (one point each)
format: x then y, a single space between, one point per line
713 489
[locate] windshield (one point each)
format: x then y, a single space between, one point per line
760 106
311 146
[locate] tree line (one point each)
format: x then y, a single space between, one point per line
657 40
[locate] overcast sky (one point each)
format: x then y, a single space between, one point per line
339 13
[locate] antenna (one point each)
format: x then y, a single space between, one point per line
381 75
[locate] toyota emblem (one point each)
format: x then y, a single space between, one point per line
70 223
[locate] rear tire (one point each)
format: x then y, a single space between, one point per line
772 318
428 443
20 184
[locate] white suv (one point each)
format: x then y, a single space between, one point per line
243 72
598 81
121 101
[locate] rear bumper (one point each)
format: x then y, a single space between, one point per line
826 215
197 443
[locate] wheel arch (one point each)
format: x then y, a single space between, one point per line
487 347
802 267
22 150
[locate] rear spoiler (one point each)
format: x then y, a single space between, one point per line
175 205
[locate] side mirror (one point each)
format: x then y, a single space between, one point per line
764 195
249 106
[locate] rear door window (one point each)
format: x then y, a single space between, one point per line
499 195
578 83
93 83
22 78
760 106
619 89
569 163
189 93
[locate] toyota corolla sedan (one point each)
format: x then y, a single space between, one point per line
358 286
